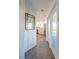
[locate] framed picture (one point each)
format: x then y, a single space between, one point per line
29 22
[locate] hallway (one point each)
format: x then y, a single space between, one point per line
39 16
41 51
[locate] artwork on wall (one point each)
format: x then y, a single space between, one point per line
29 22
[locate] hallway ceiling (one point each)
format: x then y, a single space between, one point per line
38 5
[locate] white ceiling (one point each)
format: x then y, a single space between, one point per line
37 5
40 4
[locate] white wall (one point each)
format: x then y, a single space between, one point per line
27 38
52 36
21 28
29 35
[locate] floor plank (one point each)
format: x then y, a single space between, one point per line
41 51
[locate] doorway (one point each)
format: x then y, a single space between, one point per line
45 29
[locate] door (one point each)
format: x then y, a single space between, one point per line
45 29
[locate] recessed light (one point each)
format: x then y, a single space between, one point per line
42 10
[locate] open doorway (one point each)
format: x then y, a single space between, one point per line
45 29
41 32
41 29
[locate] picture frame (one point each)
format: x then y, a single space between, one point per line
29 22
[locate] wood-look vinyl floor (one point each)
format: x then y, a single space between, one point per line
41 51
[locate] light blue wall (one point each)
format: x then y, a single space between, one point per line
21 28
54 41
29 39
53 36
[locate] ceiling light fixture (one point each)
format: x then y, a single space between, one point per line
42 10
